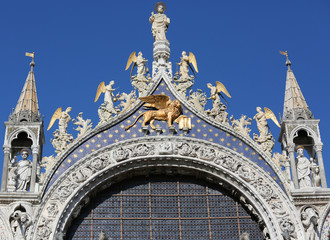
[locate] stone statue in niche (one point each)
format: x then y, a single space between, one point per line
160 22
140 81
185 82
316 178
19 223
23 171
309 220
303 168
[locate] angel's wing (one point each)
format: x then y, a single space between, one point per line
222 88
100 89
193 61
131 58
56 115
156 101
270 115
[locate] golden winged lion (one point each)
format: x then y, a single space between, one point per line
167 110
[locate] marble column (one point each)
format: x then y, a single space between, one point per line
293 164
318 150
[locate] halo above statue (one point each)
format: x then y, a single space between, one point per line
157 7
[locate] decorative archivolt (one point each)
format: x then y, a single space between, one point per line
257 188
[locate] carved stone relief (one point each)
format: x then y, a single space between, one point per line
234 163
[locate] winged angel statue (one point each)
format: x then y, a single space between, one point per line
167 110
185 81
218 111
61 137
139 81
265 138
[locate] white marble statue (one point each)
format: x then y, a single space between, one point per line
261 120
316 176
309 220
185 82
64 120
109 97
107 110
265 138
303 168
61 137
160 22
142 78
19 223
23 171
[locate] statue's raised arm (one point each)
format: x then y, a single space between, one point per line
159 22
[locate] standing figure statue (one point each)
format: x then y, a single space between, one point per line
63 119
108 95
107 110
303 168
261 120
159 22
61 137
139 81
24 171
185 81
265 138
218 111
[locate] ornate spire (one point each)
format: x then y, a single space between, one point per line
27 108
295 106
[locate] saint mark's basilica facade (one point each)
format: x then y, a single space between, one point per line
158 165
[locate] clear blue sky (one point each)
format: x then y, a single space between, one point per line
78 44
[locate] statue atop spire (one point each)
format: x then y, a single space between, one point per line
27 108
159 22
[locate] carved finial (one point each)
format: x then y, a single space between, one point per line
288 63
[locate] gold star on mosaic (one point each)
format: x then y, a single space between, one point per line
75 155
69 160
